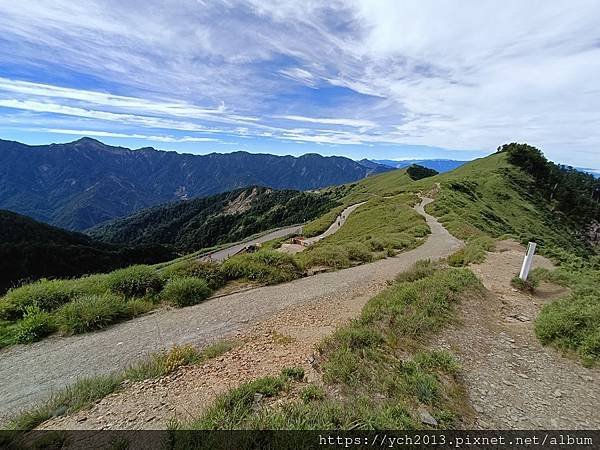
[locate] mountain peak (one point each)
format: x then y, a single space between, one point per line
88 140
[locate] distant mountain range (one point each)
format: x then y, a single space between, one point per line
440 165
593 172
84 183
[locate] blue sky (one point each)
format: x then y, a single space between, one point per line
359 78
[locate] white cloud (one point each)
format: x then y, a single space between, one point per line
97 133
471 75
332 121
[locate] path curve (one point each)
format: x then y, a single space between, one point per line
221 255
31 373
336 225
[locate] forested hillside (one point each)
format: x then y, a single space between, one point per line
30 250
204 222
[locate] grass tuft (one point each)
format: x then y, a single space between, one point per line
135 281
91 312
528 285
186 291
264 266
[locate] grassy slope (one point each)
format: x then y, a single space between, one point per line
491 198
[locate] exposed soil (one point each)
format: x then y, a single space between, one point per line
512 380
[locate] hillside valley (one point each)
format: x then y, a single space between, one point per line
30 250
205 222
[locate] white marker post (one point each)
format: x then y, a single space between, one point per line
527 261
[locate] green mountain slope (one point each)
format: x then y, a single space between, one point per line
31 250
200 223
492 196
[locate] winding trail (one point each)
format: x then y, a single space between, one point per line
336 225
223 254
31 373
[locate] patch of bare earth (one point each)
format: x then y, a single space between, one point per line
285 340
512 380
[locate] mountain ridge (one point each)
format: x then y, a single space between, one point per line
440 165
83 183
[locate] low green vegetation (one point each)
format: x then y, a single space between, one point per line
264 266
377 372
528 285
93 312
85 392
207 270
572 323
473 252
33 311
186 291
135 281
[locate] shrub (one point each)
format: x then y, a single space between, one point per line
35 325
265 266
207 270
46 295
358 252
186 291
91 312
311 393
135 281
528 285
293 373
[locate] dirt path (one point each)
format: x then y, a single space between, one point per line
287 339
513 382
31 373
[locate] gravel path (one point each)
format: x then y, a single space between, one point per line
225 253
513 382
31 373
